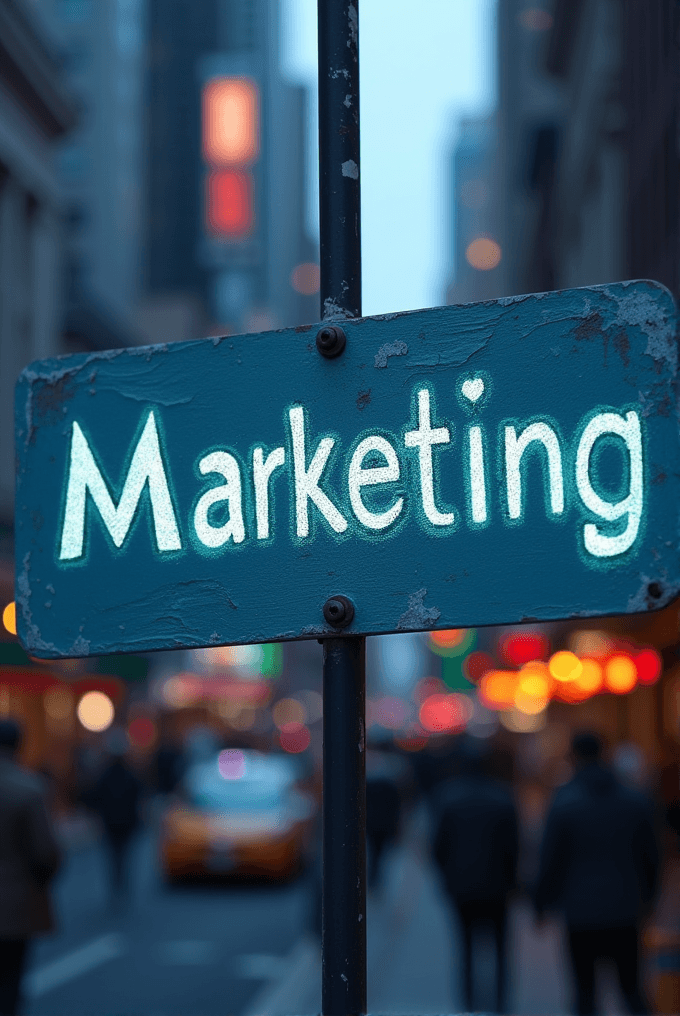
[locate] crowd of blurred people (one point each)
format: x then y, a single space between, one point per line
598 865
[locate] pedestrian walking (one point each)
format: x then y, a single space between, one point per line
29 858
383 818
599 868
475 847
115 797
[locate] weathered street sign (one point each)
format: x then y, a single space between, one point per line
468 465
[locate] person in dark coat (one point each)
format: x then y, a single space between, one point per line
599 866
29 858
475 847
383 817
116 797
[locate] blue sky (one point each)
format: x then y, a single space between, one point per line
423 66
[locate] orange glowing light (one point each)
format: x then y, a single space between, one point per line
648 665
620 674
448 639
444 713
229 209
565 666
483 254
230 122
591 678
306 279
9 618
498 689
533 689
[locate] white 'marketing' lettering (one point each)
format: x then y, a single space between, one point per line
477 479
233 529
597 543
306 477
359 477
423 438
262 470
514 450
84 475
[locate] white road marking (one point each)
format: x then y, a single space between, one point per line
74 964
302 966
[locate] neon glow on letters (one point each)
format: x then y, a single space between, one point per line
385 478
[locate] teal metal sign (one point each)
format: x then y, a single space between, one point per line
481 464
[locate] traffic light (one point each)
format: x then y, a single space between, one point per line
231 146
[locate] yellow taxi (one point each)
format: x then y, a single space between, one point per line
239 813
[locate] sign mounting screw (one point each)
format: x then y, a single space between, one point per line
331 341
338 611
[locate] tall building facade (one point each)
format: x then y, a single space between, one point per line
225 175
101 166
36 111
588 150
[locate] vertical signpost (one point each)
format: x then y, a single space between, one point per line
344 670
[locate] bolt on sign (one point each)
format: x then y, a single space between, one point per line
481 464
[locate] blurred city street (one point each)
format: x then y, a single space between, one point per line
250 951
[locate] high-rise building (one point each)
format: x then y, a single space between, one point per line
588 122
476 252
36 110
101 166
226 247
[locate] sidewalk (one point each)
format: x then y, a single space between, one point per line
412 946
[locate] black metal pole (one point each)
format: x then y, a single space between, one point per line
339 184
343 989
343 923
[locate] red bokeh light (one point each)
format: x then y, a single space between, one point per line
648 664
294 737
476 665
230 203
443 713
141 731
519 648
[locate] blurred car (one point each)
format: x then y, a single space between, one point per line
240 813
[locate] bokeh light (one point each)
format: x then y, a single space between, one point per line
95 711
565 666
231 763
591 678
58 703
9 618
519 648
141 732
620 674
476 665
288 710
294 738
453 642
306 278
497 689
535 19
649 666
445 713
484 254
533 689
